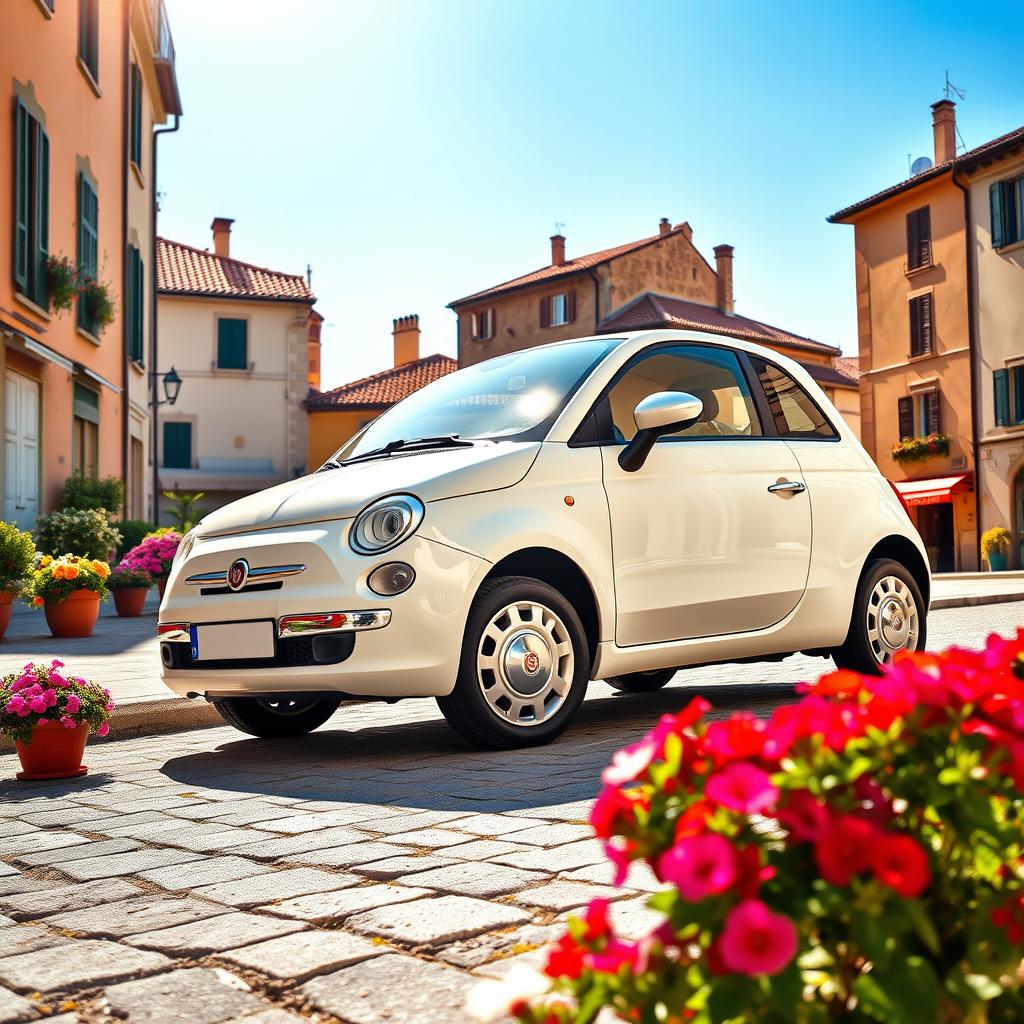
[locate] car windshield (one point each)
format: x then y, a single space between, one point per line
511 397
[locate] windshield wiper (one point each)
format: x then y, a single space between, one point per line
404 445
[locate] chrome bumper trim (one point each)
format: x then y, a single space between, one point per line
357 621
261 574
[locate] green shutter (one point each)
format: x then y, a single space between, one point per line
1017 391
136 99
22 191
42 240
88 244
135 306
86 403
231 344
1001 388
178 445
995 204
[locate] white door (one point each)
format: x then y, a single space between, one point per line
21 450
700 545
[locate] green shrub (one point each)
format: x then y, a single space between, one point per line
185 510
17 556
86 492
85 532
132 533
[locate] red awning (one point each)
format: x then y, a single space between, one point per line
933 491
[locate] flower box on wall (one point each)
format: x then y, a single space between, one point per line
917 449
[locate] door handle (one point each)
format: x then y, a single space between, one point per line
787 487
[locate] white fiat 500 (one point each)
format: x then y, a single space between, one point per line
607 508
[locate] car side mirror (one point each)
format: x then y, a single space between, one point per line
656 415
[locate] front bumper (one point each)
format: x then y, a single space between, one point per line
413 651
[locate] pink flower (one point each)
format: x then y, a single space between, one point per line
805 816
73 704
631 762
50 696
756 941
56 663
699 866
103 729
15 704
68 723
109 706
742 787
38 704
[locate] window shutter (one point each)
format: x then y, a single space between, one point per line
136 99
934 421
545 311
22 190
995 202
912 247
231 344
914 311
927 346
178 445
570 306
1017 389
1001 388
490 321
906 418
474 326
38 274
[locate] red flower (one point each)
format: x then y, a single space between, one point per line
901 863
756 941
565 960
1011 919
846 850
805 817
742 787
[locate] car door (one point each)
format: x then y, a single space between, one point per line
704 542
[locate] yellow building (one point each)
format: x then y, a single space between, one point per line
85 83
336 415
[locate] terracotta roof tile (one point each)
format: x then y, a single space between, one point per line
572 266
850 365
830 376
651 310
184 270
384 388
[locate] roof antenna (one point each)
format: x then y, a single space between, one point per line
309 275
961 94
560 226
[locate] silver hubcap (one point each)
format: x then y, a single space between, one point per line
892 619
525 663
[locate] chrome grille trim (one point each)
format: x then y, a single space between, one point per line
261 574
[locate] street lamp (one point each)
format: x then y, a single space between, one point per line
171 384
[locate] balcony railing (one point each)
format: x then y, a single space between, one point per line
164 58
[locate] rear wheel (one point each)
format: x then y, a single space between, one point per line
642 682
277 717
524 669
888 617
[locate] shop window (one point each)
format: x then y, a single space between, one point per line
85 430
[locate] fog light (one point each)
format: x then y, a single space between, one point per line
393 578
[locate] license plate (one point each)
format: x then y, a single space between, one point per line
225 641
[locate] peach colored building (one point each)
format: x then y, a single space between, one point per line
659 281
84 84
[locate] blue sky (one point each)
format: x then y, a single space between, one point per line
413 151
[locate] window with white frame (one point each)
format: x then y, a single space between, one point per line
482 324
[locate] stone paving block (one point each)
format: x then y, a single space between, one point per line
8 870
506 944
15 882
640 876
61 817
59 898
336 906
349 855
484 849
204 872
563 895
130 917
633 919
283 847
392 989
14 1008
560 858
194 995
119 864
392 867
93 848
14 827
277 885
574 810
228 931
554 835
429 922
270 1016
210 842
115 821
410 822
303 954
466 878
95 961
24 938
252 814
313 821
432 838
34 842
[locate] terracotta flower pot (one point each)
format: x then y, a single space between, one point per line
161 585
53 752
75 616
6 603
129 601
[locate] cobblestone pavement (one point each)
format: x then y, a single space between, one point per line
368 873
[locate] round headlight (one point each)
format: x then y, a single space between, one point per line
386 523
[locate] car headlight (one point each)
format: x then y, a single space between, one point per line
184 548
385 523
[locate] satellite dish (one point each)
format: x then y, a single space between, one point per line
920 165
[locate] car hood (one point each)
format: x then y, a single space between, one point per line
341 493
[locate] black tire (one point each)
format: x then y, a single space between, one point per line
487 724
642 682
277 718
861 652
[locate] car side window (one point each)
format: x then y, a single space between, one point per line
711 374
796 414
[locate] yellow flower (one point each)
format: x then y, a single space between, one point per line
101 569
45 561
71 572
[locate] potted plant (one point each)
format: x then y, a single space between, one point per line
62 283
995 543
86 531
17 559
129 586
69 589
154 555
49 715
100 308
917 449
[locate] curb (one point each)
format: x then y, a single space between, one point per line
973 600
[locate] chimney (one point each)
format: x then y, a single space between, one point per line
664 226
222 236
557 250
406 332
723 285
944 130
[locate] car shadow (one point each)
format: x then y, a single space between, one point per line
424 765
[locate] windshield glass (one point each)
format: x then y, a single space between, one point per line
511 397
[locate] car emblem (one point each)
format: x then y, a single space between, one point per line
238 574
531 662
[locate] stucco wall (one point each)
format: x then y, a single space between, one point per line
328 431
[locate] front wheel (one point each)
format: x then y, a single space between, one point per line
642 682
524 669
277 717
888 617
